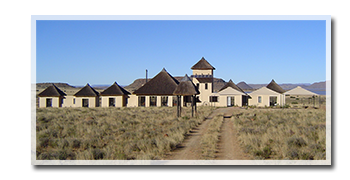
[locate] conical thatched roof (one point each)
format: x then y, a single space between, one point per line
300 91
52 91
244 85
114 90
86 91
232 85
186 87
202 64
275 87
162 84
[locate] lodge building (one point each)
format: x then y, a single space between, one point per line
165 90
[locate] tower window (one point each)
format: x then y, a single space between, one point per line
206 85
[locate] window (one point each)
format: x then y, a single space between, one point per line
197 85
213 99
153 101
164 100
142 101
48 102
85 102
259 99
74 101
111 102
206 85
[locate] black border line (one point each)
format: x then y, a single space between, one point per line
205 169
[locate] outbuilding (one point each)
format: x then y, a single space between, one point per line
114 96
303 95
231 95
271 95
52 96
86 97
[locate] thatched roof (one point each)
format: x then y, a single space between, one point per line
186 87
52 91
205 80
232 85
86 91
114 90
162 84
202 64
275 87
244 85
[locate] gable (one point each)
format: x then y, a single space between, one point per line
264 91
230 91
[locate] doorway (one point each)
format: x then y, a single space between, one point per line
230 101
48 102
85 102
111 102
273 100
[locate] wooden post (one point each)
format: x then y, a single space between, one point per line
192 104
195 103
178 115
314 100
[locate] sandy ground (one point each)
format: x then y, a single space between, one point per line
228 145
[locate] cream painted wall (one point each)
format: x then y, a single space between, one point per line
68 101
54 102
265 94
118 101
202 72
93 101
132 101
204 93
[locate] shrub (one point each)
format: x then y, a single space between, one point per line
294 141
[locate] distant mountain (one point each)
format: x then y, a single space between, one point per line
244 86
288 86
318 85
59 85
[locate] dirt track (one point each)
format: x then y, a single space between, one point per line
228 145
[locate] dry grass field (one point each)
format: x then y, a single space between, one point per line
151 133
282 134
112 133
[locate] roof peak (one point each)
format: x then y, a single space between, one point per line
203 64
186 78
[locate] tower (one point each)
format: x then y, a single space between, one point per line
203 78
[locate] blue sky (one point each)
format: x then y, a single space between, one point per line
101 52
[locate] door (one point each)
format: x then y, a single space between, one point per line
273 100
85 102
48 102
111 102
230 101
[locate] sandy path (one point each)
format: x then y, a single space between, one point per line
229 148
